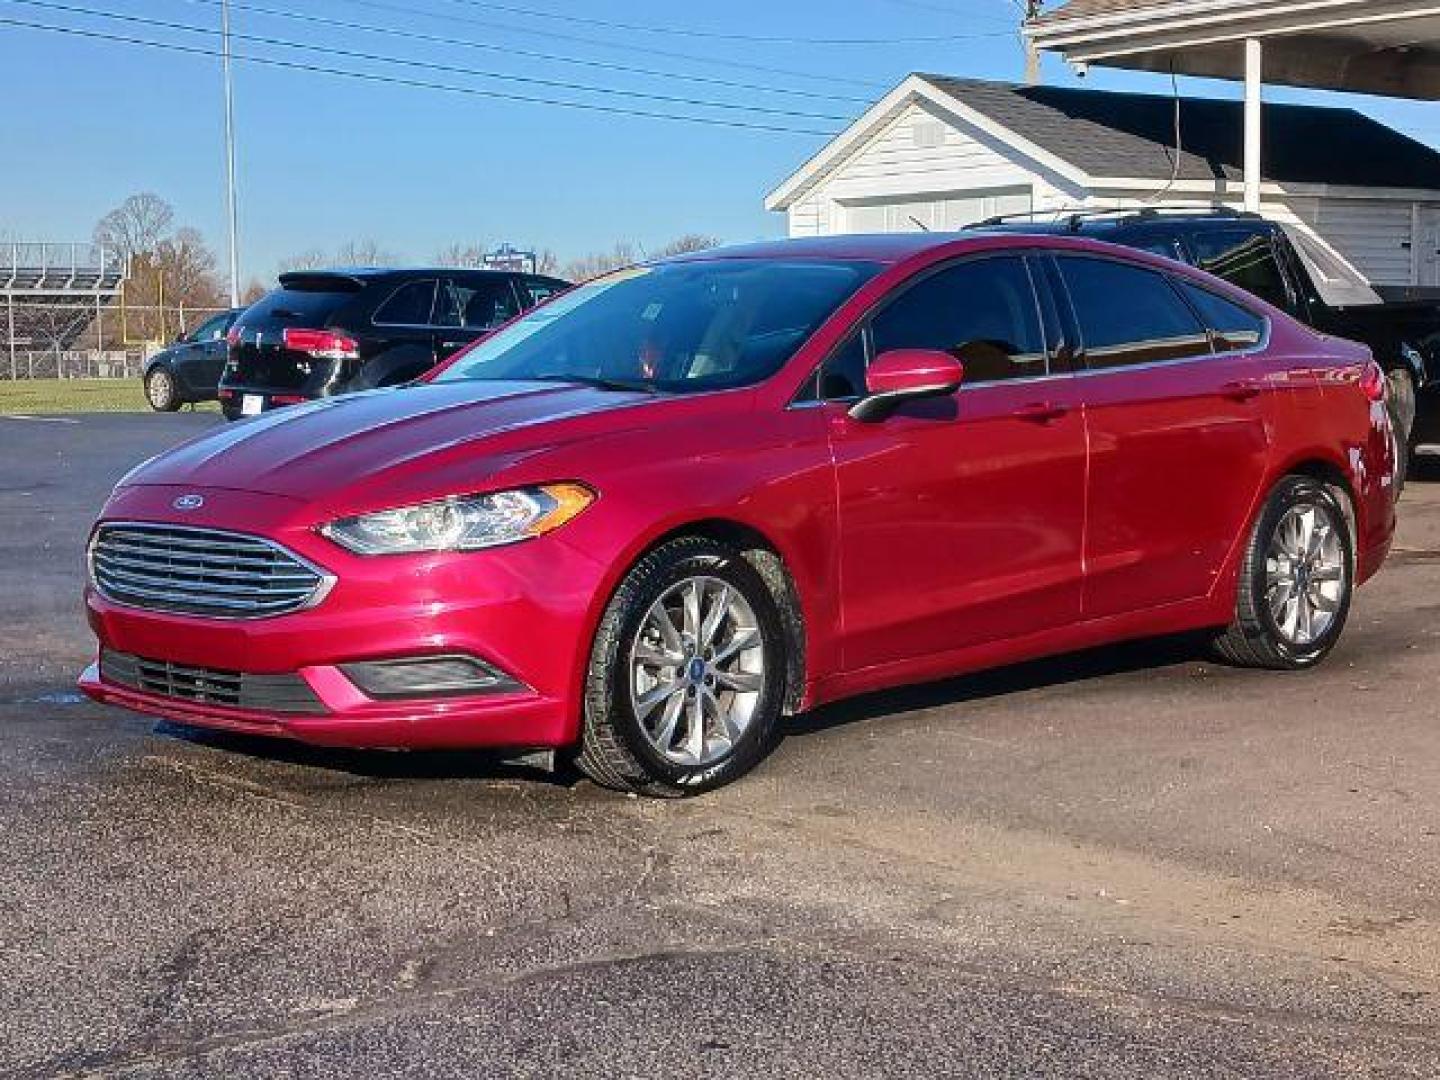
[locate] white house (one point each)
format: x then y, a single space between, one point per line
939 153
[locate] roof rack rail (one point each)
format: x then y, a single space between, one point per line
1079 215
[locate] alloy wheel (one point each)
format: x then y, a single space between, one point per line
1306 574
160 390
697 670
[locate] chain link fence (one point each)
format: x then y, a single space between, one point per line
72 364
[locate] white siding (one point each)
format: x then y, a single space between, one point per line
920 166
1373 234
808 217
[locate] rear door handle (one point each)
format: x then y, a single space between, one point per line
1041 412
1241 391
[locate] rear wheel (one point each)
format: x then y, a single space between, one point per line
1296 582
161 391
1401 400
687 674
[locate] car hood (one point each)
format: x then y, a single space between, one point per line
414 442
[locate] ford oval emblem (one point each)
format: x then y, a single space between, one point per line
189 502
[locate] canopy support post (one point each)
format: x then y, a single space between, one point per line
1254 81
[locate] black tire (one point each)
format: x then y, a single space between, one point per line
614 750
1402 399
230 412
1256 639
161 390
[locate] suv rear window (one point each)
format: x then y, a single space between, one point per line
1246 259
307 307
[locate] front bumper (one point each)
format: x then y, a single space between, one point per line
524 610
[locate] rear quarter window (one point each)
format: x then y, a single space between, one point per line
1233 326
1130 314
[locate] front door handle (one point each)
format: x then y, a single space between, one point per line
1041 412
1240 391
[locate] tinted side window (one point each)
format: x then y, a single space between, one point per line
477 305
1233 326
1244 259
983 313
212 329
541 290
409 305
1130 315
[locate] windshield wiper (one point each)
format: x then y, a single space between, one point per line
599 382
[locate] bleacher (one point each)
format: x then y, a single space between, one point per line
50 294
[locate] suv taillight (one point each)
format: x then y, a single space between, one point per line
1372 382
233 337
322 344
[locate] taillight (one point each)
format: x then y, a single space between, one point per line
1372 382
233 337
322 344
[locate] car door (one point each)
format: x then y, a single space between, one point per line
1179 440
960 519
200 359
470 307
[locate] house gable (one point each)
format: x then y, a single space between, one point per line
896 139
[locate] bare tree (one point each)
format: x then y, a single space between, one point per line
314 259
685 244
187 266
253 291
462 255
593 265
137 225
364 253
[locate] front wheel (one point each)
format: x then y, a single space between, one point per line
1296 582
161 391
687 674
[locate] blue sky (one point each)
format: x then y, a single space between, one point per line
324 160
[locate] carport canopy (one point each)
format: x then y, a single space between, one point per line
1387 47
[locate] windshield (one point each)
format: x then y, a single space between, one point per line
678 327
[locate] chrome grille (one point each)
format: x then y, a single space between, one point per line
201 572
210 686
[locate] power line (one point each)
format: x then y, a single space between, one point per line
510 50
419 84
713 35
429 65
627 47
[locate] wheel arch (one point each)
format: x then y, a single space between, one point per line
768 559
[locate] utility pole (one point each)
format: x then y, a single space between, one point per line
1032 10
231 210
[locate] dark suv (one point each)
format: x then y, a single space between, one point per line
1295 272
326 332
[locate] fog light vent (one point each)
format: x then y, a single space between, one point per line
427 676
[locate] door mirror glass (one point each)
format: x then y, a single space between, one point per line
903 375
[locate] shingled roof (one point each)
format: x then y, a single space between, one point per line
1108 134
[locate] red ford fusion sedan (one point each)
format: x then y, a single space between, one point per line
645 521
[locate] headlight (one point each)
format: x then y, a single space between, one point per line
465 523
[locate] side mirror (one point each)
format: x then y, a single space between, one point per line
903 375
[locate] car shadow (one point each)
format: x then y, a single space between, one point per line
378 764
545 769
1078 667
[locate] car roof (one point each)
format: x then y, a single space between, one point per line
370 275
894 248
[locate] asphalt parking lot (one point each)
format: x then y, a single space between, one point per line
1131 863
